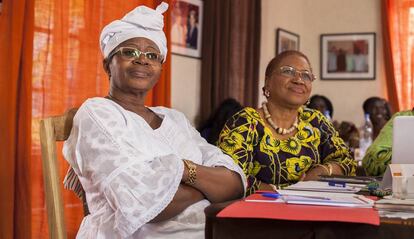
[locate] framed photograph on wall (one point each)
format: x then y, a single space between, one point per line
186 27
286 40
348 56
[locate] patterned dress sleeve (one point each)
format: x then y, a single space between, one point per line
136 186
238 139
332 148
378 155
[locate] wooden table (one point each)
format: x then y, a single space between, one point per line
251 228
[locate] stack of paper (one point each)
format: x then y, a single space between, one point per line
333 193
397 205
252 207
324 187
350 179
326 199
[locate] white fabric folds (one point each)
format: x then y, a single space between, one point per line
140 22
131 172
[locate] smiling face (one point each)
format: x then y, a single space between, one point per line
288 91
133 75
378 112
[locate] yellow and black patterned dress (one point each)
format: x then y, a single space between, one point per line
263 158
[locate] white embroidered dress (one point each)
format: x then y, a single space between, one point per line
131 172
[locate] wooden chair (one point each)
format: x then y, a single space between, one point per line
52 129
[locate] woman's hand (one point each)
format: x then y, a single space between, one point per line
218 184
266 187
313 174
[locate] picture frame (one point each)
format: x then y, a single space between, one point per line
286 40
348 56
186 27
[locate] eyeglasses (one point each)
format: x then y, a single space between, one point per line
130 53
291 72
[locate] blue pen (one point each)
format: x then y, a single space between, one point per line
292 196
337 184
271 195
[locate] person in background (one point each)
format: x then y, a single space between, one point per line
192 30
341 60
178 30
332 64
283 141
321 103
360 60
211 129
347 130
146 172
379 113
378 155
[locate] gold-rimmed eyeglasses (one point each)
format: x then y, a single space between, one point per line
131 53
292 72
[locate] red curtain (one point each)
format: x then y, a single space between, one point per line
16 42
50 62
398 33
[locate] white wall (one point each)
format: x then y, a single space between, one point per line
309 19
185 85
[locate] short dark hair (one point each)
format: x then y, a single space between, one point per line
218 119
369 103
277 59
325 99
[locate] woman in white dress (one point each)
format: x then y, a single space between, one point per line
146 172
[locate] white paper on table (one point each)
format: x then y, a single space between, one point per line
391 214
326 198
323 187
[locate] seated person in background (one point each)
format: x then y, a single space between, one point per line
379 113
321 103
284 142
378 155
146 172
210 130
347 130
349 133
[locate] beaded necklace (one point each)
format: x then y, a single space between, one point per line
279 130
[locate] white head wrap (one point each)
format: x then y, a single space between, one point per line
140 22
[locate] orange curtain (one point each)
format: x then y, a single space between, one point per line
398 32
67 69
16 42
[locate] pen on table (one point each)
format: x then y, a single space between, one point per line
336 184
271 195
277 195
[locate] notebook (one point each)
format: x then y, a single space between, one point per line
403 140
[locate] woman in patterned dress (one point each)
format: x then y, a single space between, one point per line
284 142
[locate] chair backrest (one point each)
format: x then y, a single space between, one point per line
52 129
